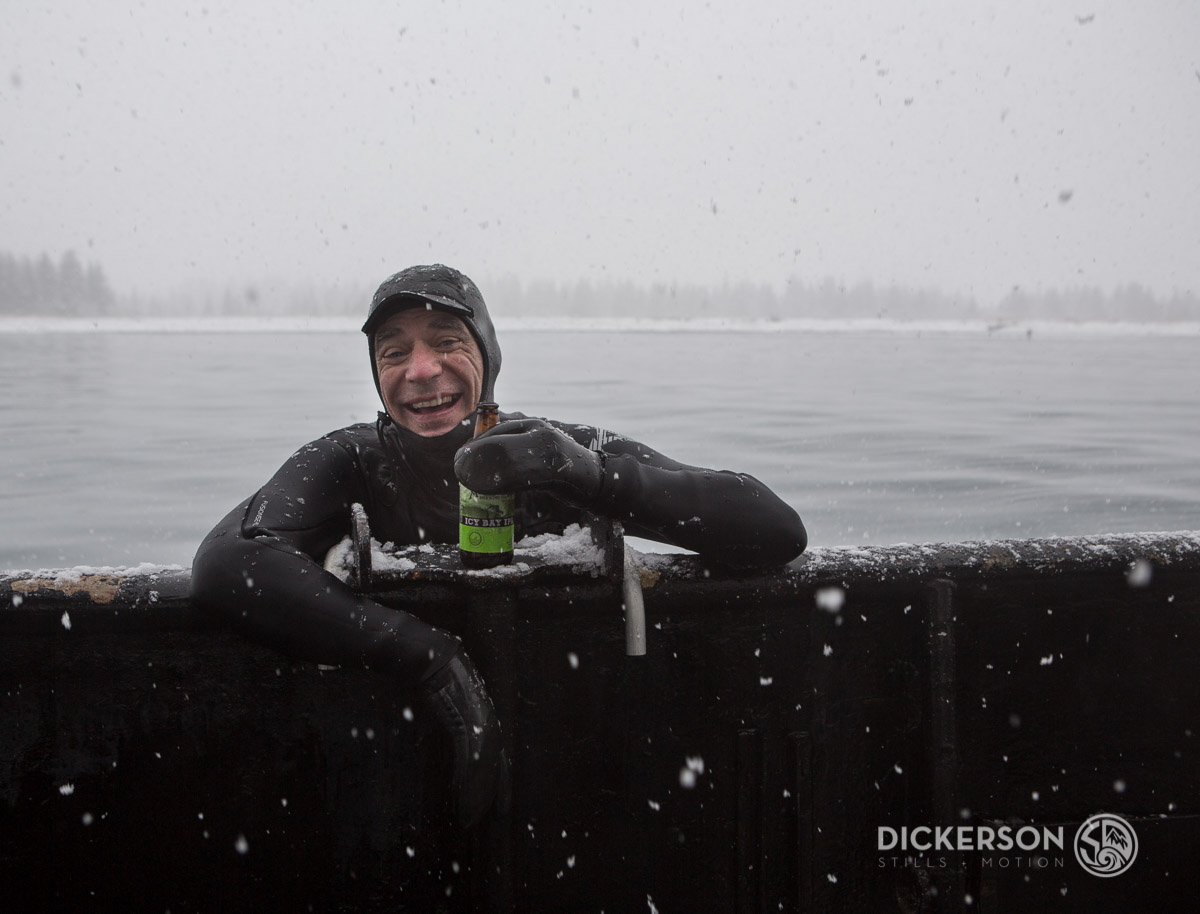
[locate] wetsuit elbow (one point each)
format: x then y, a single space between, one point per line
217 575
785 542
219 568
799 540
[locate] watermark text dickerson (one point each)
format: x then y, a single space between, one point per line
1104 845
1000 838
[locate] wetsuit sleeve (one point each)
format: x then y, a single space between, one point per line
728 517
262 570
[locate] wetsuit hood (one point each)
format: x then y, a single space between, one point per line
444 289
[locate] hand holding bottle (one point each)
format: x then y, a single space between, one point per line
530 454
486 517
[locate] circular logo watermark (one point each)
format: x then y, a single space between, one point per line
1106 845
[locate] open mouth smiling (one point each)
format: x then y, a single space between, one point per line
433 404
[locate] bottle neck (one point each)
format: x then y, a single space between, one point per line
487 416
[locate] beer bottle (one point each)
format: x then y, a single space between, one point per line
485 522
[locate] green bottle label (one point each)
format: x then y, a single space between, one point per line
485 522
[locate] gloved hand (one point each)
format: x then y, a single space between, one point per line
479 774
530 454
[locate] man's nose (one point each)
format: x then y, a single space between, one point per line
424 362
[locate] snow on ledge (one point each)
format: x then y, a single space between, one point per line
66 576
100 585
574 549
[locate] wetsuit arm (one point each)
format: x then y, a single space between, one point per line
729 517
262 570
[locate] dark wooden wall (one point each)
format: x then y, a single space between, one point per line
150 760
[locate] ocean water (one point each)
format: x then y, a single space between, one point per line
118 447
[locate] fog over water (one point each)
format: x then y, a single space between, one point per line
964 147
122 448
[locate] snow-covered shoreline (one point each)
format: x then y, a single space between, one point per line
345 324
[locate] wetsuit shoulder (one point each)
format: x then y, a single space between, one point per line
261 568
307 501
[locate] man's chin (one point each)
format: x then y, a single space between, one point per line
431 428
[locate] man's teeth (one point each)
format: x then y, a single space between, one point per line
435 402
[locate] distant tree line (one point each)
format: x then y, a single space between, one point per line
1129 302
43 287
829 299
742 300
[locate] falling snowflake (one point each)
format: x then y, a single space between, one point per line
831 599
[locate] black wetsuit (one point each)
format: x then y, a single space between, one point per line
262 566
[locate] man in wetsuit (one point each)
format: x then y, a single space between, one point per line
434 356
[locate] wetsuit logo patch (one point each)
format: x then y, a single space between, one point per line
262 509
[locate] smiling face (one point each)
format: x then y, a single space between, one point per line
430 370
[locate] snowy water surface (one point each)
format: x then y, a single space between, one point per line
124 447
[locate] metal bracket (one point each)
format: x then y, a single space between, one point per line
635 604
360 530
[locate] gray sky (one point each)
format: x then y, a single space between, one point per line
965 146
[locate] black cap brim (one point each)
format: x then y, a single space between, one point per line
402 301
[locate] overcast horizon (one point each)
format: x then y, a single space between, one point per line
43 288
937 145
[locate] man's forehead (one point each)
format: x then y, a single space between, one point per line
415 319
